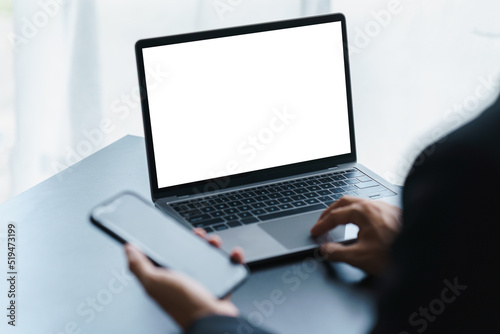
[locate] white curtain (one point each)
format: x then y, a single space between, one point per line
75 72
417 69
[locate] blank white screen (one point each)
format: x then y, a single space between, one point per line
244 103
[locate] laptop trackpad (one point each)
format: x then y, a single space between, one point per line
294 232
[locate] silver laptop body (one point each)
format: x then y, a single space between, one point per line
251 135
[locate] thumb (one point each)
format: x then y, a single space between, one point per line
336 252
138 263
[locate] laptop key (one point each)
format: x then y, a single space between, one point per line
285 200
258 212
275 195
298 197
271 202
245 208
220 227
249 220
244 214
272 209
311 201
313 188
288 193
261 198
221 206
248 200
299 204
258 205
217 213
324 199
261 192
231 217
284 207
247 194
208 209
208 229
311 195
224 199
338 177
194 205
324 192
231 211
364 179
235 197
292 212
234 224
351 181
369 184
353 175
191 213
208 222
371 190
325 180
199 218
235 203
301 191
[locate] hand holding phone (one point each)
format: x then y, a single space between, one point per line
184 299
169 244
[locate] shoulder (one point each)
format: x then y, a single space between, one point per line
460 159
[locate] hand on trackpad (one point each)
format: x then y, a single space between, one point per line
294 232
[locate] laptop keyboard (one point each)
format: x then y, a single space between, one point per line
253 205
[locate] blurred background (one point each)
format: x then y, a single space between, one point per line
419 70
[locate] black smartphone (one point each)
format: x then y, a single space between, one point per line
168 243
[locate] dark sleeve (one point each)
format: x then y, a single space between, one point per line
445 273
223 325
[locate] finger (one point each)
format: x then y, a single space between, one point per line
340 216
343 201
200 232
138 263
237 255
215 240
336 252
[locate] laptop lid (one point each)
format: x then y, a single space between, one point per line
246 104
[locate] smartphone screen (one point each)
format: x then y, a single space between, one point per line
168 243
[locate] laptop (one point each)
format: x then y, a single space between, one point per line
251 134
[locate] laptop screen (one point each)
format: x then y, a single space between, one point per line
248 102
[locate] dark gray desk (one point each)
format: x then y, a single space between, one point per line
74 279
